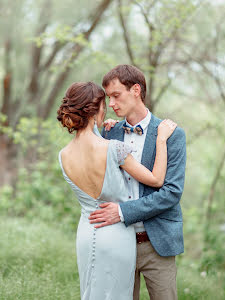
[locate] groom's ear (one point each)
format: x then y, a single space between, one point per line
136 89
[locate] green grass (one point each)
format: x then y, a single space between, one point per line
38 261
193 284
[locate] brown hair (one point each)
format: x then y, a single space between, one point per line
128 75
82 101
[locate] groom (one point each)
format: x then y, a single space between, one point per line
155 213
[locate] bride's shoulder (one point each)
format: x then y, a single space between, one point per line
65 149
102 142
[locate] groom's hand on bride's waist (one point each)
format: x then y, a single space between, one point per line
107 215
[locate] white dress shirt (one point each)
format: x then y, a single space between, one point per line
137 142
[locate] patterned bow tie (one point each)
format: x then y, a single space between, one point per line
137 129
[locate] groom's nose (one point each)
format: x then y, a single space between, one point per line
111 102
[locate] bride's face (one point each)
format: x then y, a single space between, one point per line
101 114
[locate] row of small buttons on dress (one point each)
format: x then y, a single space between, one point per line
129 177
130 195
94 241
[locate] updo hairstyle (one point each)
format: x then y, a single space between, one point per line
81 102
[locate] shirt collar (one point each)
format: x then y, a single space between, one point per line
144 122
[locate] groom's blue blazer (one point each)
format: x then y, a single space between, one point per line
159 209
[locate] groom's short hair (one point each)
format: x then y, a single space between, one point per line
127 75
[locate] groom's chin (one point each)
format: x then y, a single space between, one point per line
118 113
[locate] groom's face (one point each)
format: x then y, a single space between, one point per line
121 99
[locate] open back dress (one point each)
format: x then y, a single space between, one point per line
106 256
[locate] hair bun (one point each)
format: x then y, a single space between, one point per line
71 120
82 101
68 122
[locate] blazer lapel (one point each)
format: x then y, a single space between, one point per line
119 132
149 147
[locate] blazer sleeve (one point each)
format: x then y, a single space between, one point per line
104 133
170 193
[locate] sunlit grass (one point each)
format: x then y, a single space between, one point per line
38 261
196 285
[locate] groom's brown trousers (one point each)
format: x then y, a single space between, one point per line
159 273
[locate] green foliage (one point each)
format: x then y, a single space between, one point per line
62 34
40 189
7 130
213 259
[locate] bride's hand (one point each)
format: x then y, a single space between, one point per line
108 124
165 129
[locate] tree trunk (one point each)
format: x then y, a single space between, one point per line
8 151
8 163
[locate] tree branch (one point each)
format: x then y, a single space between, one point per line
94 20
199 133
213 186
162 91
125 34
148 23
151 5
76 50
36 51
51 57
213 76
96 16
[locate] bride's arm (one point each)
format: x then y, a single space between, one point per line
157 176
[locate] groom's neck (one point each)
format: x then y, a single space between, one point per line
137 115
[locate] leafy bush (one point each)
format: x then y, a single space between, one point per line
213 259
40 189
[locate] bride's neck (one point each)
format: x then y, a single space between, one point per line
86 132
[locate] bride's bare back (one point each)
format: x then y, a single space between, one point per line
84 162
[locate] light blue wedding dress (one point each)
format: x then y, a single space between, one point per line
106 256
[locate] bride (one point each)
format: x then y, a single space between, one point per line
94 167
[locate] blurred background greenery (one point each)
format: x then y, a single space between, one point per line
47 45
